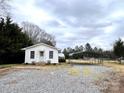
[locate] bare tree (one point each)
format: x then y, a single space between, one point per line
37 35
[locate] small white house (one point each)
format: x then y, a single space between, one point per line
41 53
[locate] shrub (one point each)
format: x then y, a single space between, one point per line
48 62
62 60
33 63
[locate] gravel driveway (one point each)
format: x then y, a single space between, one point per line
75 79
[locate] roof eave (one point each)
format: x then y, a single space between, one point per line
38 45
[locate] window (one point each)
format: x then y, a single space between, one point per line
51 54
41 53
32 54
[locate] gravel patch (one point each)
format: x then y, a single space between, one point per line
76 79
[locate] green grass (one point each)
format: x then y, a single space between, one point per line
7 65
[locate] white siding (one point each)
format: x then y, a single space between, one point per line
37 50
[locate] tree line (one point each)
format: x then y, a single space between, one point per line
80 52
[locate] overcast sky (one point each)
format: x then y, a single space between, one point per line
75 22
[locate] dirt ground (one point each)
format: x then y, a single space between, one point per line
116 84
113 84
60 79
122 83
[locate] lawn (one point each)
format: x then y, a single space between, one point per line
6 65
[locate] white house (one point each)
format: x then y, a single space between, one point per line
41 53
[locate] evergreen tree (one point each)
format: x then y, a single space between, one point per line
77 49
88 48
65 52
12 39
119 48
81 48
95 49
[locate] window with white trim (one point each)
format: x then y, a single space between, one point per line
32 54
51 54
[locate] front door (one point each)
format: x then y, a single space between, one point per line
41 56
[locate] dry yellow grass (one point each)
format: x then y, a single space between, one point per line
115 65
43 67
87 71
111 63
74 71
80 61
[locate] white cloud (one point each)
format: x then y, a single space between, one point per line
108 29
73 22
27 10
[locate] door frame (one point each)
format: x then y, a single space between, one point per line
41 56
